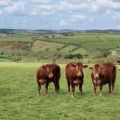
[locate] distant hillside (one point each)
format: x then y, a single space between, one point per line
60 45
42 31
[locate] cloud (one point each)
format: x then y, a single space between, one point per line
112 4
70 5
116 17
5 2
48 7
42 9
40 1
15 7
65 12
11 7
75 18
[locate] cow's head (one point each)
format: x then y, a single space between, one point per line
49 71
78 68
97 71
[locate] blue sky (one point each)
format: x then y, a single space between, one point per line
60 14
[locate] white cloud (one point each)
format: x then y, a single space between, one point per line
41 1
14 7
67 5
107 4
116 17
5 2
47 7
88 5
33 13
42 9
78 17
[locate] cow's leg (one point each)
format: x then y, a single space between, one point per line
101 90
46 86
73 89
56 84
80 88
95 87
39 88
68 83
57 87
110 88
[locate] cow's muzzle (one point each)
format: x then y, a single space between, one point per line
50 76
79 74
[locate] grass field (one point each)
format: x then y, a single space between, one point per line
42 46
18 99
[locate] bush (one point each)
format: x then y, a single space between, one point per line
73 56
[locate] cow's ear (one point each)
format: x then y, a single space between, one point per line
118 61
85 66
73 64
91 68
44 67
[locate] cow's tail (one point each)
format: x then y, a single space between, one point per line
114 73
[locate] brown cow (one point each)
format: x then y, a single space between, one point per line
74 75
48 73
103 74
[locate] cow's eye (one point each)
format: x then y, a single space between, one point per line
47 69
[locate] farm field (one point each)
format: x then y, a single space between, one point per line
30 47
19 100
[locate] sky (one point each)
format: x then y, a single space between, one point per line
60 14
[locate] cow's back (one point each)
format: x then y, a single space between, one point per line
109 72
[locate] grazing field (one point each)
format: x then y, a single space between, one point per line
36 47
19 100
91 40
46 46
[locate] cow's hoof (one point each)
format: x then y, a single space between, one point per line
81 94
46 94
100 95
111 94
56 93
73 96
38 94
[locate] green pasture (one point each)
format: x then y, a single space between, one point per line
46 46
37 47
24 39
68 49
91 41
19 100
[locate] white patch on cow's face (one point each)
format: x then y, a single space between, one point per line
79 71
49 72
50 75
96 76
